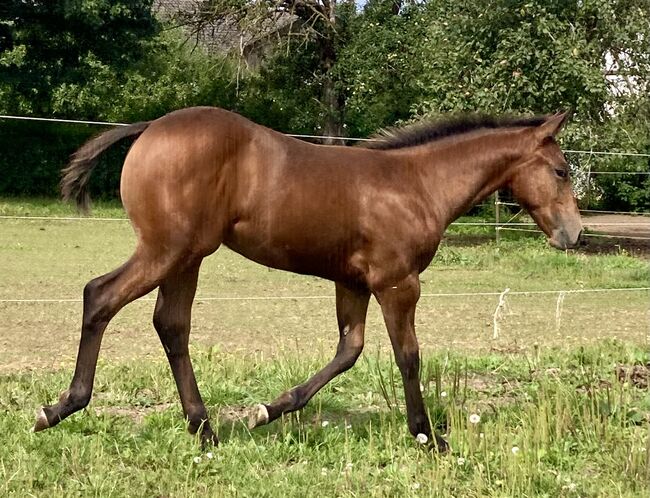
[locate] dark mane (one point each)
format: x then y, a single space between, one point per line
430 131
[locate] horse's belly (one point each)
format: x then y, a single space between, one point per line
300 254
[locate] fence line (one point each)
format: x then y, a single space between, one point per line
60 218
321 137
455 223
636 213
619 173
319 297
599 235
57 120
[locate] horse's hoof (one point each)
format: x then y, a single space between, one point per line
41 421
440 446
209 440
257 416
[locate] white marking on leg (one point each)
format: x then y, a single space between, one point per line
41 421
259 415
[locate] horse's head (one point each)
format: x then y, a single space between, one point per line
541 184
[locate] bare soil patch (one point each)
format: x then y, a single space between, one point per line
618 226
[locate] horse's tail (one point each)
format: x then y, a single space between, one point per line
76 175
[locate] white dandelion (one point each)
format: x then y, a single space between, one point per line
422 438
474 418
515 450
197 459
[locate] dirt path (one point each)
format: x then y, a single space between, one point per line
618 225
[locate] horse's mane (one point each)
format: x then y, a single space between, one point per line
430 131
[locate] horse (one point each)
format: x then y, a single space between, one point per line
368 218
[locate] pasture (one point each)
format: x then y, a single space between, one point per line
562 393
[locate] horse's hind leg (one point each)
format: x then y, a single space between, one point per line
351 308
103 298
172 322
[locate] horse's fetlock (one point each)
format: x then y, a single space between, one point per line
75 399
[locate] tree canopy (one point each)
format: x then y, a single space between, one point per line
336 67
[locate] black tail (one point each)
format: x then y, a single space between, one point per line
76 175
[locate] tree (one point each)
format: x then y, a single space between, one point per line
543 55
316 29
90 59
46 45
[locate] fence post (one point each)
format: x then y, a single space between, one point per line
588 185
496 215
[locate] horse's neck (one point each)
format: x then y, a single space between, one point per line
461 172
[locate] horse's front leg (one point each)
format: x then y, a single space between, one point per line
398 303
351 308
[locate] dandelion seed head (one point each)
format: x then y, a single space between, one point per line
325 423
422 438
460 461
443 394
197 459
209 455
474 418
515 450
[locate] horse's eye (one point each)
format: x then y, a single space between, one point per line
561 173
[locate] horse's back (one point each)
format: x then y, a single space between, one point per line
206 176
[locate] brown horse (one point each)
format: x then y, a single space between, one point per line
370 219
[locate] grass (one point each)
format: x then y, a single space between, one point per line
553 424
54 260
546 387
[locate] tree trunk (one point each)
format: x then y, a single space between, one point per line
331 99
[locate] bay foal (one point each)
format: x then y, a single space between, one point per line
367 218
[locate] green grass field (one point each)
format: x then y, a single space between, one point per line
556 416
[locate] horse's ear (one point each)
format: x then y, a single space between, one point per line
553 125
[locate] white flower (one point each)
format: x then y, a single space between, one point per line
416 485
209 455
421 438
197 459
515 450
461 461
324 423
348 426
443 394
481 435
323 471
474 418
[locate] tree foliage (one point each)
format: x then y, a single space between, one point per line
332 67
